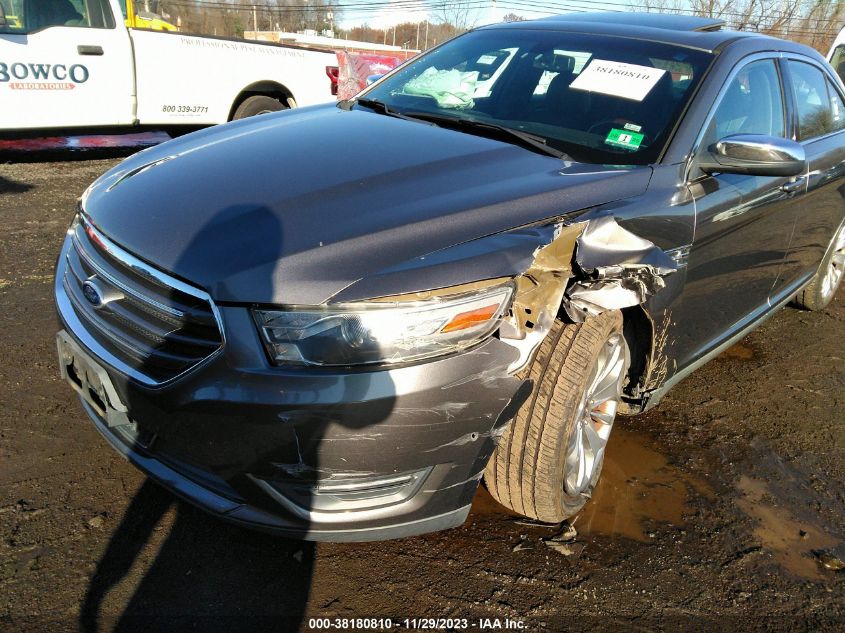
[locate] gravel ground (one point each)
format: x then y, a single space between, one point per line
723 508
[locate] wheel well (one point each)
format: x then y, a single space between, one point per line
638 330
264 88
639 335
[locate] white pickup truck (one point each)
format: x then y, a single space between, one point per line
74 64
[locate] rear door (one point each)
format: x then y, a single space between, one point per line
64 63
820 128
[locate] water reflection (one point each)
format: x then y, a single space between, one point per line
638 489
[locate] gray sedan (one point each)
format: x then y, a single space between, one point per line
334 322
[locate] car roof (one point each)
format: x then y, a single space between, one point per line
690 31
653 20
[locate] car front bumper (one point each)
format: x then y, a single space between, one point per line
336 455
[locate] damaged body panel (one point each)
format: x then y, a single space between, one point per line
332 323
618 270
584 269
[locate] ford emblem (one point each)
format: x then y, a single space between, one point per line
92 293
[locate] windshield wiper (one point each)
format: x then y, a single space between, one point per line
382 108
525 139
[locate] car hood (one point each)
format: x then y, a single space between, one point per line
292 208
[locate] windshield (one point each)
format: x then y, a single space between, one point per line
600 99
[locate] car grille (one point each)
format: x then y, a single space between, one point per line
159 326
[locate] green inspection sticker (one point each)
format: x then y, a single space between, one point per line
623 138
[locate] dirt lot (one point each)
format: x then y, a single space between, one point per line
720 509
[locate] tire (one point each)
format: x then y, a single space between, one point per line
821 290
258 104
531 470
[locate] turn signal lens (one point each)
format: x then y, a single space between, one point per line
471 318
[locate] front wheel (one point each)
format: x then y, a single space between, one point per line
549 459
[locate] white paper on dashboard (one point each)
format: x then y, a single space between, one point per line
618 79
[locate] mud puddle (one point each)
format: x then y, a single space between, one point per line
793 543
739 351
638 491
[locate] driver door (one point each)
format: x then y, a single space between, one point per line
743 223
63 64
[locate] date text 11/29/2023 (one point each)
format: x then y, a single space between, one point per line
416 624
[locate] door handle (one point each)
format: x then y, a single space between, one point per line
795 186
84 49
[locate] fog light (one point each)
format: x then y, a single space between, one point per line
349 494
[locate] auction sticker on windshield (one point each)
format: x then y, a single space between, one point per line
621 138
618 79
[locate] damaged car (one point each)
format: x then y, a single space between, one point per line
334 322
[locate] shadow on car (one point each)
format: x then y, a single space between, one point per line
207 573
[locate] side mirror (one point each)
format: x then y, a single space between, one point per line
374 78
755 155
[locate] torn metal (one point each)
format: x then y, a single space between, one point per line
619 269
539 293
587 268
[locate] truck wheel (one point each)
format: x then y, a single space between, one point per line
549 459
821 290
259 104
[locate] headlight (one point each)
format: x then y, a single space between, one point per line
382 332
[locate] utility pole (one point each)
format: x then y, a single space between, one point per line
426 35
255 18
394 35
418 36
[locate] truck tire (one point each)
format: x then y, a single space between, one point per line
258 104
821 290
549 459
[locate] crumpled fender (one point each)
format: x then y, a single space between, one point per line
586 268
615 269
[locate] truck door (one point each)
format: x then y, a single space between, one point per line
743 223
63 64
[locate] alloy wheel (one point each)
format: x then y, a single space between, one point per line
836 269
594 417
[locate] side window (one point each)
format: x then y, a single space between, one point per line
837 107
819 109
838 61
28 16
752 104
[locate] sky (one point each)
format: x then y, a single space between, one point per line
397 11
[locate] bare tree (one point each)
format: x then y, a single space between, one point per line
461 15
216 18
661 6
811 22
